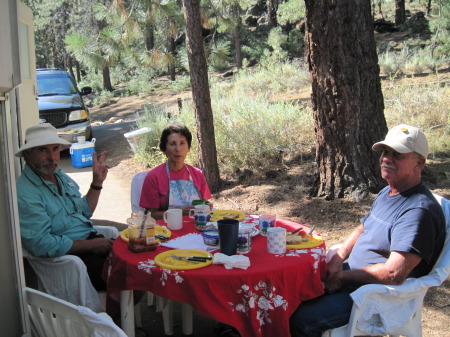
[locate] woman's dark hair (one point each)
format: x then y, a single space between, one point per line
174 127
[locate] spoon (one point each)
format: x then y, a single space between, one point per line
309 233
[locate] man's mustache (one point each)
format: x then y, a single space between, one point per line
388 166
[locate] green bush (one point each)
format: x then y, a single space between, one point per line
424 105
250 130
181 83
417 24
141 83
219 55
148 153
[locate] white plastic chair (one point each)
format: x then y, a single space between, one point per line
162 304
53 317
66 277
395 310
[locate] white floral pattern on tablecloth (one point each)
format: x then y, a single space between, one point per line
149 265
261 296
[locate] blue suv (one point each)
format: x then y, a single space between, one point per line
61 104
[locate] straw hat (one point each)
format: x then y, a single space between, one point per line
403 139
39 135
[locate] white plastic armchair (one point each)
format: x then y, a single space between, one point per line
395 310
53 317
162 304
66 277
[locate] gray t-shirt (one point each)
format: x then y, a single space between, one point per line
411 222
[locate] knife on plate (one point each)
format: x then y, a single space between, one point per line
192 258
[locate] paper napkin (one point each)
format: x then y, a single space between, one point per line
234 261
189 241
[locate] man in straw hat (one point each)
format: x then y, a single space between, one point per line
402 236
54 217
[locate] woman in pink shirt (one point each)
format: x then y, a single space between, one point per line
173 184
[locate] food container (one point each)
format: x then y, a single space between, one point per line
82 154
141 232
211 237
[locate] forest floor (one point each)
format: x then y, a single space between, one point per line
283 191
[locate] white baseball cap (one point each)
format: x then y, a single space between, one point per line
405 138
39 135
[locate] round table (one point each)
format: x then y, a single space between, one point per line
257 301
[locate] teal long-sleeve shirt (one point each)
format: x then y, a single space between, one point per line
49 222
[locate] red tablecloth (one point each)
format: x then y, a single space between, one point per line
257 301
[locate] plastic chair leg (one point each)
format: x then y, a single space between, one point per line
137 316
150 299
186 317
167 313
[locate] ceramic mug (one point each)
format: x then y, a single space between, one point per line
266 220
244 242
174 218
201 215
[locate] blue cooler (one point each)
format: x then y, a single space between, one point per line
82 154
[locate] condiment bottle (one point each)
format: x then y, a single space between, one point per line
141 232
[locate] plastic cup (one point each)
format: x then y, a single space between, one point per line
228 236
276 240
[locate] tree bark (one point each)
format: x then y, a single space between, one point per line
347 100
207 151
400 15
106 79
237 35
171 50
272 7
150 37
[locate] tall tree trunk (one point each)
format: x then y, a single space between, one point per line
150 37
346 97
428 8
171 49
200 94
400 15
77 66
237 35
106 79
272 7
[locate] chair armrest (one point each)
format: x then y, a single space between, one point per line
109 232
331 251
383 308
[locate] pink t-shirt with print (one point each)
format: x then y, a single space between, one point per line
156 185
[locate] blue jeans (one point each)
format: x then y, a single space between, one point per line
322 313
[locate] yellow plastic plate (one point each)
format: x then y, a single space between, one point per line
158 230
314 241
166 261
227 214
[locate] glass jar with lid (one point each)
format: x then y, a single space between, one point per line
141 232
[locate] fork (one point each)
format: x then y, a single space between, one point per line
190 258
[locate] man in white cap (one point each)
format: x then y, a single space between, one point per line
54 217
402 236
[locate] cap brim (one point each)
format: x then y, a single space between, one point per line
400 148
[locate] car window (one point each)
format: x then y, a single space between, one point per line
55 84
